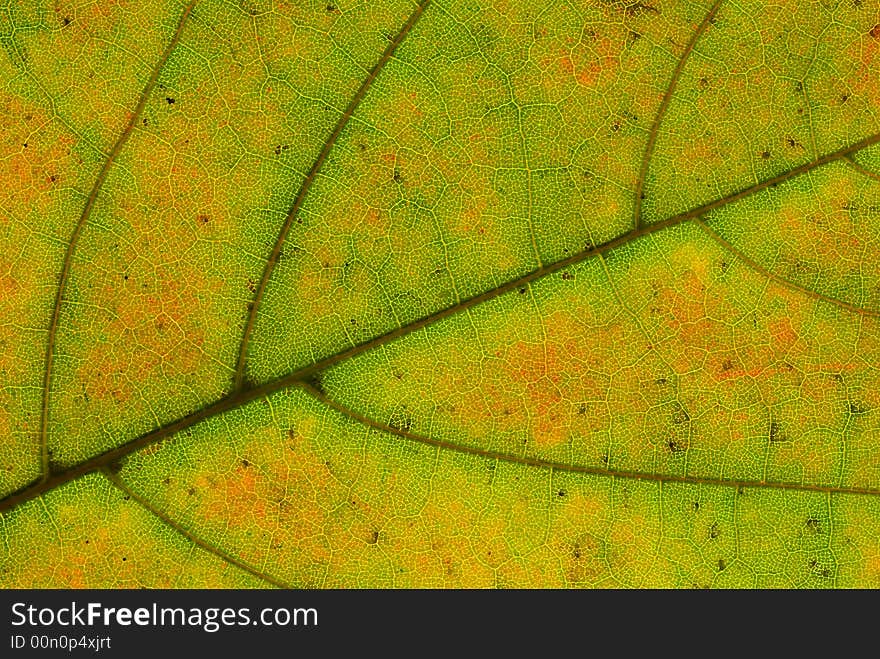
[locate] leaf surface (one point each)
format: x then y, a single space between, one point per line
440 294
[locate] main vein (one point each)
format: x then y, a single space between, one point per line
307 184
77 230
302 376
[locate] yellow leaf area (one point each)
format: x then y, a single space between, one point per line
92 535
867 161
440 294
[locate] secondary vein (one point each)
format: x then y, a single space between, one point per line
77 231
579 469
307 184
208 547
661 111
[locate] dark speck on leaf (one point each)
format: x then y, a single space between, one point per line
397 177
65 21
245 464
680 415
316 384
169 100
714 531
639 8
765 155
567 276
401 421
561 493
857 408
522 291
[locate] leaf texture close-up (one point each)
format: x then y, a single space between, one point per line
384 294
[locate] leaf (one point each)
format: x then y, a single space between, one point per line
440 294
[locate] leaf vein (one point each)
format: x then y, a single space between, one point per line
581 469
757 267
307 185
661 111
77 231
208 547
